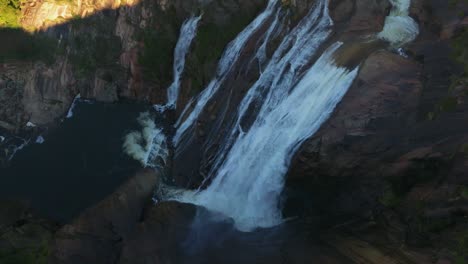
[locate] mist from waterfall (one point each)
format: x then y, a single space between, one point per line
228 59
188 32
399 27
147 146
291 103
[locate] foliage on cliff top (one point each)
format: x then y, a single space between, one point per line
9 13
23 46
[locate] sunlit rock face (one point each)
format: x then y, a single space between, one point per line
37 15
109 50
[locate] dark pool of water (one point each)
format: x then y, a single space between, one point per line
79 163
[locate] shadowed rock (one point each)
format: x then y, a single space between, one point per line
96 235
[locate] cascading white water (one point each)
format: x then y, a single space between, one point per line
249 182
76 100
228 59
248 173
261 54
283 70
148 146
187 34
399 27
72 107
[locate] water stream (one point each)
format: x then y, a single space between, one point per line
292 102
291 98
187 34
228 59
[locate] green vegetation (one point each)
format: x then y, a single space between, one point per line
10 13
461 248
390 199
460 49
464 192
26 47
420 171
447 104
209 46
34 255
91 49
159 41
459 54
27 242
454 3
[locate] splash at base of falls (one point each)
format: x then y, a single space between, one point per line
248 184
399 27
147 146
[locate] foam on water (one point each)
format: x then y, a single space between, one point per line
147 146
30 124
40 140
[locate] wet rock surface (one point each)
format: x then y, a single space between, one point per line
96 235
392 150
388 169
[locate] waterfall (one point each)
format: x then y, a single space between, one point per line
399 27
149 145
73 105
187 34
289 102
282 72
249 182
228 59
261 54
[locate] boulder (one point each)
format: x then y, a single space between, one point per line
96 235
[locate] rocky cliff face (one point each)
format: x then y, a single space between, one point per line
392 158
394 149
107 50
103 50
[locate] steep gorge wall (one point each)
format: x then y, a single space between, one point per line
393 154
108 50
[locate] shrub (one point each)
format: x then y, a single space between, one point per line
9 13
